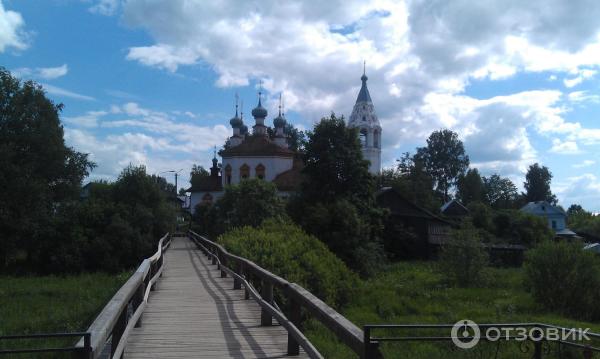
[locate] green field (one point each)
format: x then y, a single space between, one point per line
52 304
416 292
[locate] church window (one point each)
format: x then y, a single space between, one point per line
363 137
228 174
364 118
376 139
207 199
244 171
260 171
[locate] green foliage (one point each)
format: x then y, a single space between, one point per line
565 278
537 184
295 138
464 259
50 304
289 252
336 201
583 221
39 172
470 187
197 173
500 193
444 159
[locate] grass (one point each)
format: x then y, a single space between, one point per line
52 304
417 292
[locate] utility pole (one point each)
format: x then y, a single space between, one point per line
176 175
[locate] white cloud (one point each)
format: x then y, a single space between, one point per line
11 30
58 91
582 96
584 163
584 190
105 7
582 75
46 73
564 147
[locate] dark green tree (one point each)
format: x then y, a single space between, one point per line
499 192
39 172
537 184
575 209
444 159
470 187
197 173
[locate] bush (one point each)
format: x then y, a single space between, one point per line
289 252
563 277
464 259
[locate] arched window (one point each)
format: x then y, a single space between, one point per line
260 171
207 199
228 174
363 137
244 172
376 136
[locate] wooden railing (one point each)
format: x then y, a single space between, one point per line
248 274
124 310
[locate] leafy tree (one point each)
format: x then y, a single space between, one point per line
500 193
39 172
296 139
470 187
537 184
444 159
197 173
575 209
464 259
336 200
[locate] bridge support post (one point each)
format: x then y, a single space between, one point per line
137 301
237 284
117 332
295 316
248 277
223 263
214 258
266 294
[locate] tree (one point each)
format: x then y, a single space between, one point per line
537 184
295 138
464 259
499 193
470 187
444 159
39 172
197 173
575 209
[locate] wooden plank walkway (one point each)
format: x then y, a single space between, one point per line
194 313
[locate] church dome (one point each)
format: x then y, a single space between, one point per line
259 111
236 122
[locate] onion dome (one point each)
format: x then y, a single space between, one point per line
236 122
259 111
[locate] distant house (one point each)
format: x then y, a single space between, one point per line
429 231
454 209
556 216
206 190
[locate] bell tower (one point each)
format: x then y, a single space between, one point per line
365 119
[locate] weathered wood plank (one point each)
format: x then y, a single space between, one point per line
195 313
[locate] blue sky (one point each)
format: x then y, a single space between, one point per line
153 82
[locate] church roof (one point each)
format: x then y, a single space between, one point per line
256 146
207 184
363 95
290 180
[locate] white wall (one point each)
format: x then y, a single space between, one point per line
273 167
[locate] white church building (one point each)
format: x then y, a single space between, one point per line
256 155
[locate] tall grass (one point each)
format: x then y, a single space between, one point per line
52 304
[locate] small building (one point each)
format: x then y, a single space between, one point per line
412 232
454 209
206 190
556 217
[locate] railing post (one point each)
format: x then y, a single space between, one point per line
371 349
118 330
248 277
295 316
237 284
223 263
537 350
267 295
137 301
214 256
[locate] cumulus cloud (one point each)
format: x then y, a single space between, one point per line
105 7
12 34
564 147
46 73
584 163
584 190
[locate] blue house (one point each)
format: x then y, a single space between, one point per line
556 216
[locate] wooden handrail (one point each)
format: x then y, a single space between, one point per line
346 331
113 320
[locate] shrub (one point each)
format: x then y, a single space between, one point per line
563 277
289 252
464 259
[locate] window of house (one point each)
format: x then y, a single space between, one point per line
244 171
207 199
260 171
228 174
553 224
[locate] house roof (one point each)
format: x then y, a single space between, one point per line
207 184
256 145
542 208
290 180
400 206
454 208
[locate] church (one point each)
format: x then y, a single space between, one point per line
258 155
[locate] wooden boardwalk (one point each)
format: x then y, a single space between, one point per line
194 313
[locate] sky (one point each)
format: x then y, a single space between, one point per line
154 82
